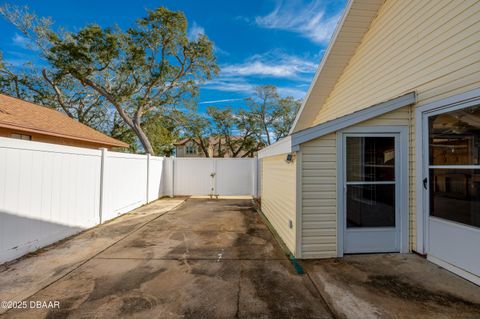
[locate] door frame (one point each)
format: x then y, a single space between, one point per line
454 102
402 132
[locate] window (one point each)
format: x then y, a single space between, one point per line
370 168
454 165
190 149
21 137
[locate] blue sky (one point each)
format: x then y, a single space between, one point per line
257 42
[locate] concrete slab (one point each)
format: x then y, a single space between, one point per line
206 259
392 286
108 288
22 278
206 230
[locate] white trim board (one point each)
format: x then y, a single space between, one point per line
292 142
322 63
458 271
340 50
283 146
353 118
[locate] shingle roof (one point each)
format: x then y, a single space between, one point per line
25 116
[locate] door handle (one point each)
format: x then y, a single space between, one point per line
425 183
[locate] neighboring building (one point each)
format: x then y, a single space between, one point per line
28 121
384 155
216 147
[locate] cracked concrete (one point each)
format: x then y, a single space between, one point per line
204 259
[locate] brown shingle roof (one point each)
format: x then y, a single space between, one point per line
25 116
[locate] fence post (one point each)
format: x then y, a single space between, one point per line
172 176
255 177
103 159
148 179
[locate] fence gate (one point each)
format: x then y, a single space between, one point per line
214 176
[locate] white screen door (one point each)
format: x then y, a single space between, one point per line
371 193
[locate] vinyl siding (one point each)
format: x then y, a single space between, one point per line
319 188
278 189
319 200
431 47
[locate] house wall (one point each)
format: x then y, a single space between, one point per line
6 132
431 47
319 188
279 196
181 151
319 201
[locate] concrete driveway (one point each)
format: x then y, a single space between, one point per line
202 259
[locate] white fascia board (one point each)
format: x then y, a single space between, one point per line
322 63
352 119
283 146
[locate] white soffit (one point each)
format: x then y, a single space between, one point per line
351 28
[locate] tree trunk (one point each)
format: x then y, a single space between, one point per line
203 147
143 139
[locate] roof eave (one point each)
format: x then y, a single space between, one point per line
292 142
352 119
70 137
307 112
280 147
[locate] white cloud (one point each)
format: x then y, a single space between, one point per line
195 31
219 101
308 20
244 77
21 41
220 51
292 91
228 84
271 64
241 85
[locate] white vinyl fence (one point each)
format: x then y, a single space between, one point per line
49 192
215 176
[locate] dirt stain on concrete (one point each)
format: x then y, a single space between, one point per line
120 283
132 305
401 289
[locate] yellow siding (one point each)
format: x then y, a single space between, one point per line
319 188
319 200
432 47
278 196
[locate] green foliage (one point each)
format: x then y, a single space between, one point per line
197 127
149 69
162 131
273 114
32 84
243 132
